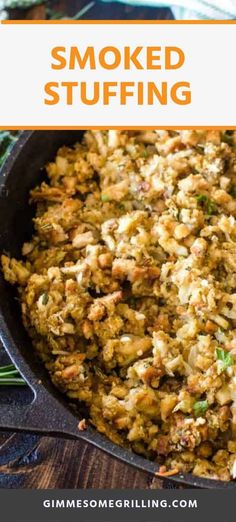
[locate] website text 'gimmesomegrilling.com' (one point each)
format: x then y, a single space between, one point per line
119 503
113 505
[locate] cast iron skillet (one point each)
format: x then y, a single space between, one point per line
45 410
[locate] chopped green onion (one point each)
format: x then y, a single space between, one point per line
225 358
45 298
105 198
207 204
200 408
201 198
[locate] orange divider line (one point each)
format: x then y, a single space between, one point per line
116 127
116 22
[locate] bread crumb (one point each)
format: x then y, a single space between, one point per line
82 425
163 472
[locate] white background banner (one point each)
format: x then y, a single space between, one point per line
209 68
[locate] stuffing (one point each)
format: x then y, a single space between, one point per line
128 290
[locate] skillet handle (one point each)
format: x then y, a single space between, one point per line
43 414
34 409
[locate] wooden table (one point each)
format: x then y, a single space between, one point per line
29 461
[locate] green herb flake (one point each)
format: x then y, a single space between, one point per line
200 408
98 371
233 192
225 359
105 198
208 205
228 138
132 302
200 148
201 198
46 227
45 298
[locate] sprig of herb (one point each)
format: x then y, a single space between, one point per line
6 141
200 408
208 205
56 15
225 359
9 376
83 10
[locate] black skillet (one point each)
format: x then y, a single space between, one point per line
45 411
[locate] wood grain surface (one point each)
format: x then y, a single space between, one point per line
29 461
55 463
